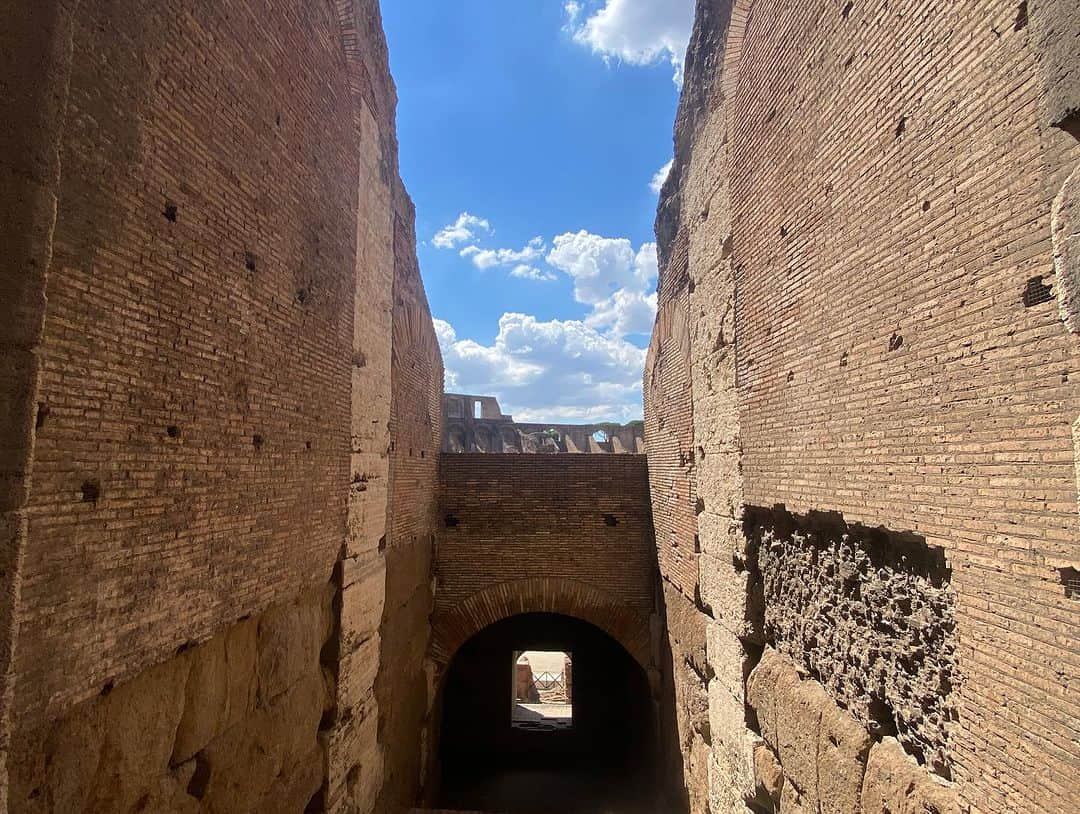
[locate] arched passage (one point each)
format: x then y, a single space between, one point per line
606 760
453 627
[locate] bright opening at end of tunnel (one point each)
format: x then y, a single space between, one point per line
543 700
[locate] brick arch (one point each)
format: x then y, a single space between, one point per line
451 629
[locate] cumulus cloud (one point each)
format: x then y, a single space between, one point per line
548 371
491 258
601 266
467 227
657 182
640 32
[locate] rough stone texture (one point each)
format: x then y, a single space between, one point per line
870 617
1056 29
895 784
859 220
1065 225
230 725
477 424
542 533
822 756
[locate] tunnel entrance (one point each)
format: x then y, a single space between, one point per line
602 759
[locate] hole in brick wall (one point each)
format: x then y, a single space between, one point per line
699 506
901 126
302 295
844 359
382 543
926 206
42 415
257 442
359 359
450 521
107 687
849 60
783 231
173 431
170 212
277 119
691 285
249 261
791 375
91 491
307 445
186 646
1070 578
848 6
611 520
1021 17
200 778
896 341
697 544
1037 292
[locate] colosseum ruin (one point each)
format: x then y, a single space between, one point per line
254 559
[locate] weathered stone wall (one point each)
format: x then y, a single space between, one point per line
415 427
568 534
860 232
231 724
213 418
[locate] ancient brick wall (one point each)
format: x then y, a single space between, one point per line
415 428
213 419
564 533
866 197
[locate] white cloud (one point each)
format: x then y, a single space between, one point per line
657 182
557 370
624 312
601 266
526 272
467 227
641 32
490 258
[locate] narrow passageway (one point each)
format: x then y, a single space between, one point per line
603 761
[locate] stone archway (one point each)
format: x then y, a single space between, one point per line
452 628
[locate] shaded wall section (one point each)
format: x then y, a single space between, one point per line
415 427
866 231
204 559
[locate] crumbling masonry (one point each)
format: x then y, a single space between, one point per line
240 557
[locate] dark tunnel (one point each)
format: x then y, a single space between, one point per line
605 761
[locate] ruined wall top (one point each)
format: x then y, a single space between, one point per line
477 424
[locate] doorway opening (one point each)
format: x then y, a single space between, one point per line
543 691
597 753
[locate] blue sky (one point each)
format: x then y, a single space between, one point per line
531 132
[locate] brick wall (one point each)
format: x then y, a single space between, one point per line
512 520
865 196
415 428
214 411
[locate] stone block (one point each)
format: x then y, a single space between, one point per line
206 699
761 688
290 638
768 774
895 784
727 659
843 746
799 706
